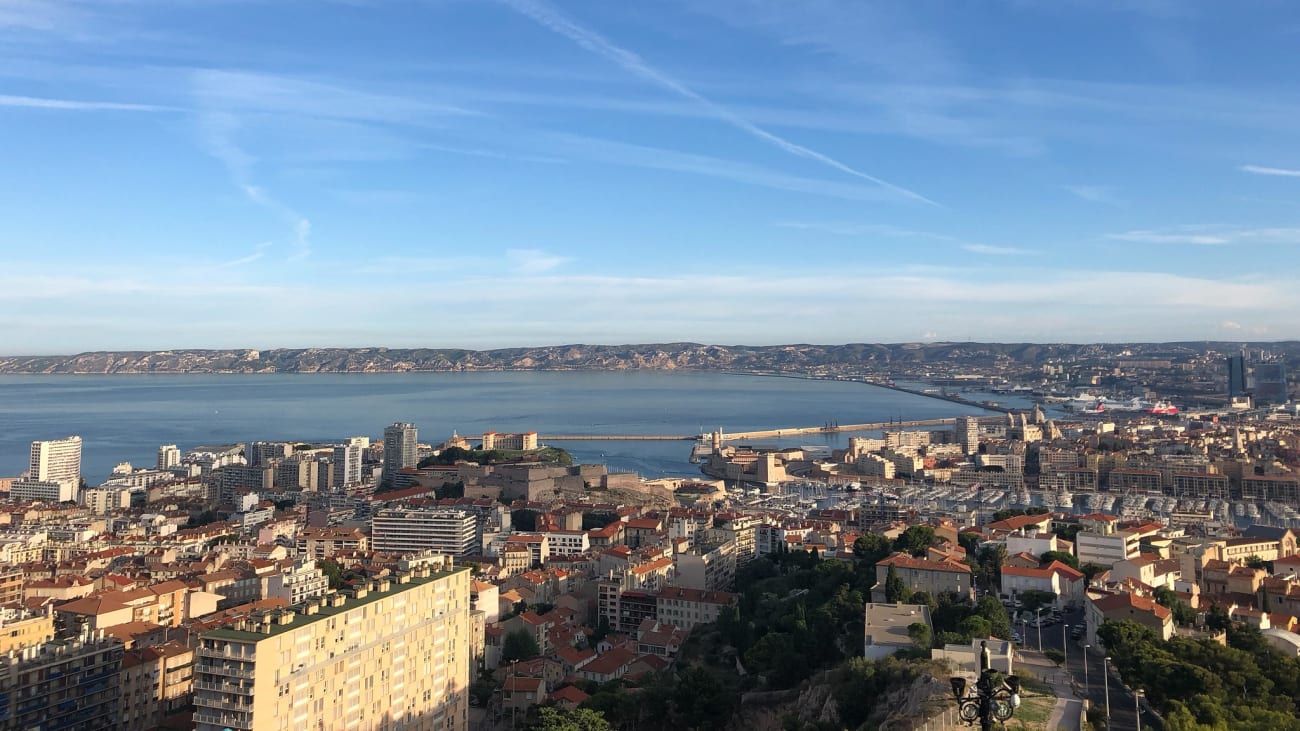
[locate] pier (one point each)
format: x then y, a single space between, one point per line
792 431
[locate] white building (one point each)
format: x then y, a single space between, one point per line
168 456
347 462
298 582
568 542
401 449
407 530
42 491
56 460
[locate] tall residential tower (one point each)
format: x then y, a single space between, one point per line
399 449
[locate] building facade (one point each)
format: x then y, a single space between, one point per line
400 449
407 530
392 655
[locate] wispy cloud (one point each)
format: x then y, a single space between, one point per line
1261 170
32 102
217 130
588 39
865 229
658 158
988 250
1095 194
1210 235
258 253
883 230
534 261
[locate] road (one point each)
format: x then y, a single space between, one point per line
1056 636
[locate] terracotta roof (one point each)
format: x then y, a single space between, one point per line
1116 602
902 560
570 693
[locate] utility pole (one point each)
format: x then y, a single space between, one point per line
1086 688
1065 644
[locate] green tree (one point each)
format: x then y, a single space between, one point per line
1068 559
581 719
895 589
1091 570
519 645
991 609
871 548
920 634
915 540
332 572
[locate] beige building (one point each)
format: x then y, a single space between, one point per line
392 655
156 681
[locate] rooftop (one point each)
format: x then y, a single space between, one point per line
324 612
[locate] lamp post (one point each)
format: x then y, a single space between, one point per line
1138 695
1105 671
1038 622
994 698
1086 687
1065 644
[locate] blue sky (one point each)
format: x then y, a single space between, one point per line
481 173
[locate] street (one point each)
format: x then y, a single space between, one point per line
1056 636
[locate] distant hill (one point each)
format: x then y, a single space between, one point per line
853 357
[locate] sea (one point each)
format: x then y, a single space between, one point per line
124 418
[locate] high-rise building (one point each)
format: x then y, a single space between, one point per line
400 449
393 654
57 460
968 434
261 453
62 684
168 456
1237 375
1270 383
347 462
411 530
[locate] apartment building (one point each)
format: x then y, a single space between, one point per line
411 530
321 543
156 681
688 608
923 574
394 654
297 581
71 684
707 567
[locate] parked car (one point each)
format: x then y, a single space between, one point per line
1016 638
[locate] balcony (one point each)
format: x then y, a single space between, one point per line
215 687
240 654
206 702
232 671
227 720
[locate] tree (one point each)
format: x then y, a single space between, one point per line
920 633
915 540
1033 599
581 719
1066 558
332 572
1255 562
1091 570
895 589
519 645
871 548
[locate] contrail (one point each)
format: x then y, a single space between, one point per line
554 21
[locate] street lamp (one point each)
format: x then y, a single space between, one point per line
1065 644
1138 695
1038 622
994 698
1105 667
1086 688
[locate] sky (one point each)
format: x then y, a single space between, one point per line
496 173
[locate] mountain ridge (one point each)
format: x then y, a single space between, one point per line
799 357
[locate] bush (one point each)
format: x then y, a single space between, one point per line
1055 655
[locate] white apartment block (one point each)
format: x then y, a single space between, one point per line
298 582
394 655
169 455
57 460
568 542
42 491
407 530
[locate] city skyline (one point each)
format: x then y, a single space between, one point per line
202 175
